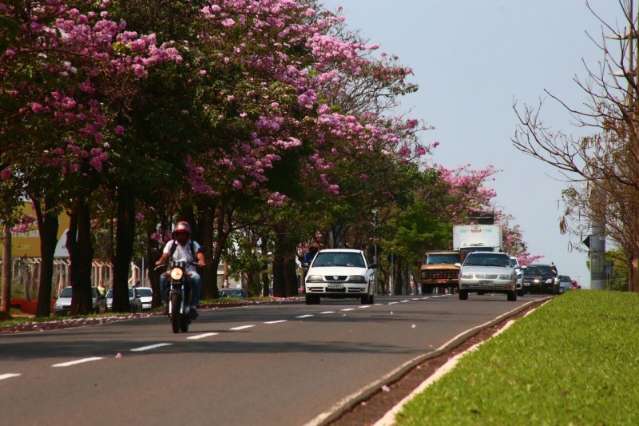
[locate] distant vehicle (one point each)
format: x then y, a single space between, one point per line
232 292
109 298
487 272
143 297
520 275
340 273
439 270
565 283
472 238
63 303
541 279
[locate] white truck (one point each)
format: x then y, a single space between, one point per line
471 238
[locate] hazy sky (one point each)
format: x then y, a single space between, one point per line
472 59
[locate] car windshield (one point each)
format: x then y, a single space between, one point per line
66 292
355 260
487 259
513 263
565 279
144 292
448 259
540 270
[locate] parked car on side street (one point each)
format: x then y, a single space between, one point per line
109 298
541 279
143 297
487 272
340 273
63 302
237 293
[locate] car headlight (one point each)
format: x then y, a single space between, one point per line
467 276
314 279
549 281
537 281
505 277
357 279
177 274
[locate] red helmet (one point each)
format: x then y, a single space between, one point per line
182 226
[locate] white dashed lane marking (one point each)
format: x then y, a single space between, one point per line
275 322
9 376
150 347
304 316
393 303
77 361
242 327
365 307
201 336
348 309
327 312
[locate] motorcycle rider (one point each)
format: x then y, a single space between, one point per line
182 249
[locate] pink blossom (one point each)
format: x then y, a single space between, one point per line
228 22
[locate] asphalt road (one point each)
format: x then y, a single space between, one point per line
266 365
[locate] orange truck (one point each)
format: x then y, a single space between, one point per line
440 270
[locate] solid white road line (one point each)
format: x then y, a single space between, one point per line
348 309
327 312
275 322
150 347
201 336
242 327
9 376
304 316
77 361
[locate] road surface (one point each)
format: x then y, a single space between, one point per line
259 365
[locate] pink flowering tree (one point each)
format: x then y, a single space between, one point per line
69 71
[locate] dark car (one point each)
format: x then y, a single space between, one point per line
541 279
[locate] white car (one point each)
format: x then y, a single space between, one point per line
109 298
340 273
487 272
144 297
63 302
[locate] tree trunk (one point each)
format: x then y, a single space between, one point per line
634 273
124 239
266 291
153 253
48 228
204 235
222 228
80 249
285 280
5 297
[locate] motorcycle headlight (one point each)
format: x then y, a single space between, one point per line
314 279
357 279
177 274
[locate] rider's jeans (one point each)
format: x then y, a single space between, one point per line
196 287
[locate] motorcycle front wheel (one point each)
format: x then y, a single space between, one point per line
175 314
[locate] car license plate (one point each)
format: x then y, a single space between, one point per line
335 287
441 281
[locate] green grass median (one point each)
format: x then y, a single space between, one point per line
573 362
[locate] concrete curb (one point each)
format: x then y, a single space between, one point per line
348 403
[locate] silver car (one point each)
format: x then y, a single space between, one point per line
488 272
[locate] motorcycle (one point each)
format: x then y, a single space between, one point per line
179 300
